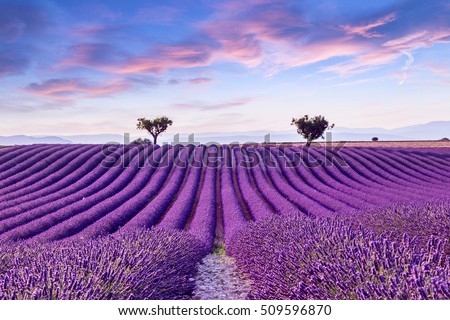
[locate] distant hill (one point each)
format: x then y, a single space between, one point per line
435 130
23 140
95 138
428 131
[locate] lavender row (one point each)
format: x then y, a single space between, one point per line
359 176
156 208
15 156
142 265
429 180
409 166
258 206
432 162
71 174
375 170
178 214
341 178
311 207
32 166
313 187
51 174
298 258
233 216
399 174
118 217
420 220
203 223
36 221
91 184
276 200
75 223
88 184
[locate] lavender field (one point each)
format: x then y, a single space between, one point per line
296 219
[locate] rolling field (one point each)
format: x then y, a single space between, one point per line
214 194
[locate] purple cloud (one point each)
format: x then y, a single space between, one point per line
271 35
166 57
100 31
215 106
12 62
367 30
191 81
94 55
19 20
67 89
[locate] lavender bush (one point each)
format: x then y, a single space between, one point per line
302 258
420 220
145 264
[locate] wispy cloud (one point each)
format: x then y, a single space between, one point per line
191 81
389 52
354 82
19 20
270 35
167 57
366 30
202 106
409 61
13 62
440 70
106 57
99 30
67 89
93 55
245 30
424 38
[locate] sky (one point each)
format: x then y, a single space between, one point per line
85 67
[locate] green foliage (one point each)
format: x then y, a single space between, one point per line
142 141
219 249
155 127
311 128
375 139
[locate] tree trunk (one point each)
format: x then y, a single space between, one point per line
155 137
308 142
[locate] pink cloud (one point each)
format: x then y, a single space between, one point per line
389 51
366 31
97 29
200 80
245 30
67 89
216 106
424 38
166 57
266 34
191 81
12 62
302 55
364 62
439 70
20 20
93 55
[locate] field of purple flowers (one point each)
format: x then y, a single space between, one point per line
301 258
73 220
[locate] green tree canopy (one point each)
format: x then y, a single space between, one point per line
155 127
311 128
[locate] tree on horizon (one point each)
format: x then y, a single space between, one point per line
154 127
311 128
